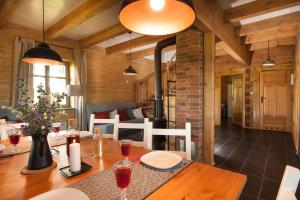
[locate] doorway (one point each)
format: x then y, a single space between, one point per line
275 100
232 98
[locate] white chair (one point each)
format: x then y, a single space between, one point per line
114 121
141 126
172 132
289 183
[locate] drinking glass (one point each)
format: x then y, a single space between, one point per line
125 149
56 127
14 138
123 177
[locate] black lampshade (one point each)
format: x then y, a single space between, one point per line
42 54
159 17
130 71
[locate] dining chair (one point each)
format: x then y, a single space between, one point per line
289 183
114 121
172 132
141 126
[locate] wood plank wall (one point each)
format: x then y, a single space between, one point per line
7 39
106 82
283 56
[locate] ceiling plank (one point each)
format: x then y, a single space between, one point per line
257 8
137 42
273 23
85 11
108 33
148 52
289 41
212 15
271 34
6 8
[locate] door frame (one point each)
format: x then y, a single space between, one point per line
260 70
219 74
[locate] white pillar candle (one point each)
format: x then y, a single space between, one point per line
75 163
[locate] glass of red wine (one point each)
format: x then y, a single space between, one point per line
14 138
123 177
125 149
56 127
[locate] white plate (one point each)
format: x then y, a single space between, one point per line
161 159
2 147
62 193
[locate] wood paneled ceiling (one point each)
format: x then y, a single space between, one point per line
242 25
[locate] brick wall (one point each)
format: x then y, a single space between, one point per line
189 84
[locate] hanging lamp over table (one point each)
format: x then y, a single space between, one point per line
42 54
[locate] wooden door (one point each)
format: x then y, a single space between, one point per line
275 100
237 99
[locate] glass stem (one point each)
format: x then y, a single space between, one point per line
123 194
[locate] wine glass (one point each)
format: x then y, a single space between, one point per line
56 127
125 149
123 177
14 138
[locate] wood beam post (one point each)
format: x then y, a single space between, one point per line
211 14
209 97
257 8
6 8
85 11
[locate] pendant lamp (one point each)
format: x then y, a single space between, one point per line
268 62
157 17
130 70
42 54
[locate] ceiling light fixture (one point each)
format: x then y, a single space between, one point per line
157 17
268 62
130 71
42 54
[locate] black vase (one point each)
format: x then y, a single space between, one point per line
40 154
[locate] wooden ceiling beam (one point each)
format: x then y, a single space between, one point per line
269 24
148 52
271 34
211 15
289 41
6 8
137 42
257 8
103 35
77 16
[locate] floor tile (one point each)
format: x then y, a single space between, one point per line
269 189
274 172
252 186
253 168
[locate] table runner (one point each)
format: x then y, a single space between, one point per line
144 181
25 143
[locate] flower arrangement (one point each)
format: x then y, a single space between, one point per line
38 116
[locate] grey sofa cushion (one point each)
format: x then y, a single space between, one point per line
7 113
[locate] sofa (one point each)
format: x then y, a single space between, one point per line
7 114
133 134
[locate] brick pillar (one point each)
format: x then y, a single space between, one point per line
189 84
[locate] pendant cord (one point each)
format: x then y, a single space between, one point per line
130 48
43 20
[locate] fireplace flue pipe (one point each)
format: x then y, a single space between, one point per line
158 107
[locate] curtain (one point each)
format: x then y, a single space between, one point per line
21 70
80 79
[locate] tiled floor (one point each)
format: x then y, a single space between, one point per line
261 155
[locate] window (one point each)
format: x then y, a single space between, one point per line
54 78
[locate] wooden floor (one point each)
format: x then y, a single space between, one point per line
261 155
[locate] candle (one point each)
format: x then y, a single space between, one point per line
75 163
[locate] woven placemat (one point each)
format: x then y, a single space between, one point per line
144 181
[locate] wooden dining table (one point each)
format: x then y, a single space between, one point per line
197 181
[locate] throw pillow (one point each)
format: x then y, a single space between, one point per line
101 115
138 113
123 114
113 113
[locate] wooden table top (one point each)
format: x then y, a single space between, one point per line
197 181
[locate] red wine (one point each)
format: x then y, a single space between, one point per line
125 148
56 128
123 176
72 139
14 139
